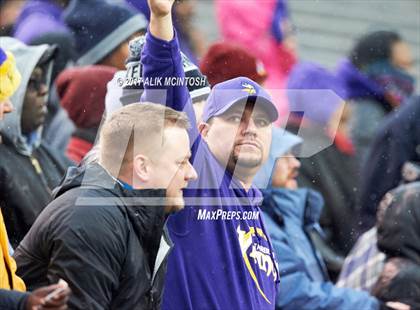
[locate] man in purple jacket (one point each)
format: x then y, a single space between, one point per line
223 257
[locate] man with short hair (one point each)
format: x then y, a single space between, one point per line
104 232
222 257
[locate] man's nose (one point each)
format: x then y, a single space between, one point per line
296 163
191 173
43 89
250 127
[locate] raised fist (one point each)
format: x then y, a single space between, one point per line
160 8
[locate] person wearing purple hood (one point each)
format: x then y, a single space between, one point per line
319 115
102 31
222 258
38 18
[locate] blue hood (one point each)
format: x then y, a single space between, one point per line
282 142
302 205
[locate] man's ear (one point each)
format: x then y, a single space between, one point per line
204 128
141 167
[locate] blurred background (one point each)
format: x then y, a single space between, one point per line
327 29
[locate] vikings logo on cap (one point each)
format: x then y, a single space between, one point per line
250 89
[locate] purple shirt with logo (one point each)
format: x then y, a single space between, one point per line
222 258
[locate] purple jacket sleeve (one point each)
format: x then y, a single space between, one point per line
164 75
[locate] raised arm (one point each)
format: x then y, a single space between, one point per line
163 73
161 26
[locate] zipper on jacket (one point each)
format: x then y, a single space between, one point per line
38 169
161 256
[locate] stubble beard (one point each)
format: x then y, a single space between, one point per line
245 162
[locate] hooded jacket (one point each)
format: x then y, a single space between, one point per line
9 82
334 174
28 173
102 239
370 90
292 217
330 166
282 142
37 18
399 239
292 220
398 233
396 143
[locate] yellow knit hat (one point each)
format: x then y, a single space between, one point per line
9 75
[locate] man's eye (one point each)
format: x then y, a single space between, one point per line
262 122
234 119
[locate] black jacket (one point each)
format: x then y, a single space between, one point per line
26 183
399 230
397 142
399 239
101 239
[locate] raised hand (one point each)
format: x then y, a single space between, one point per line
160 8
161 19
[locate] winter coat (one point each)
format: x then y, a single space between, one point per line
374 90
399 239
333 173
292 217
396 143
28 172
102 239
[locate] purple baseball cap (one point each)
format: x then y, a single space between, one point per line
226 94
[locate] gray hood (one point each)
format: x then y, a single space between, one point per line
27 57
